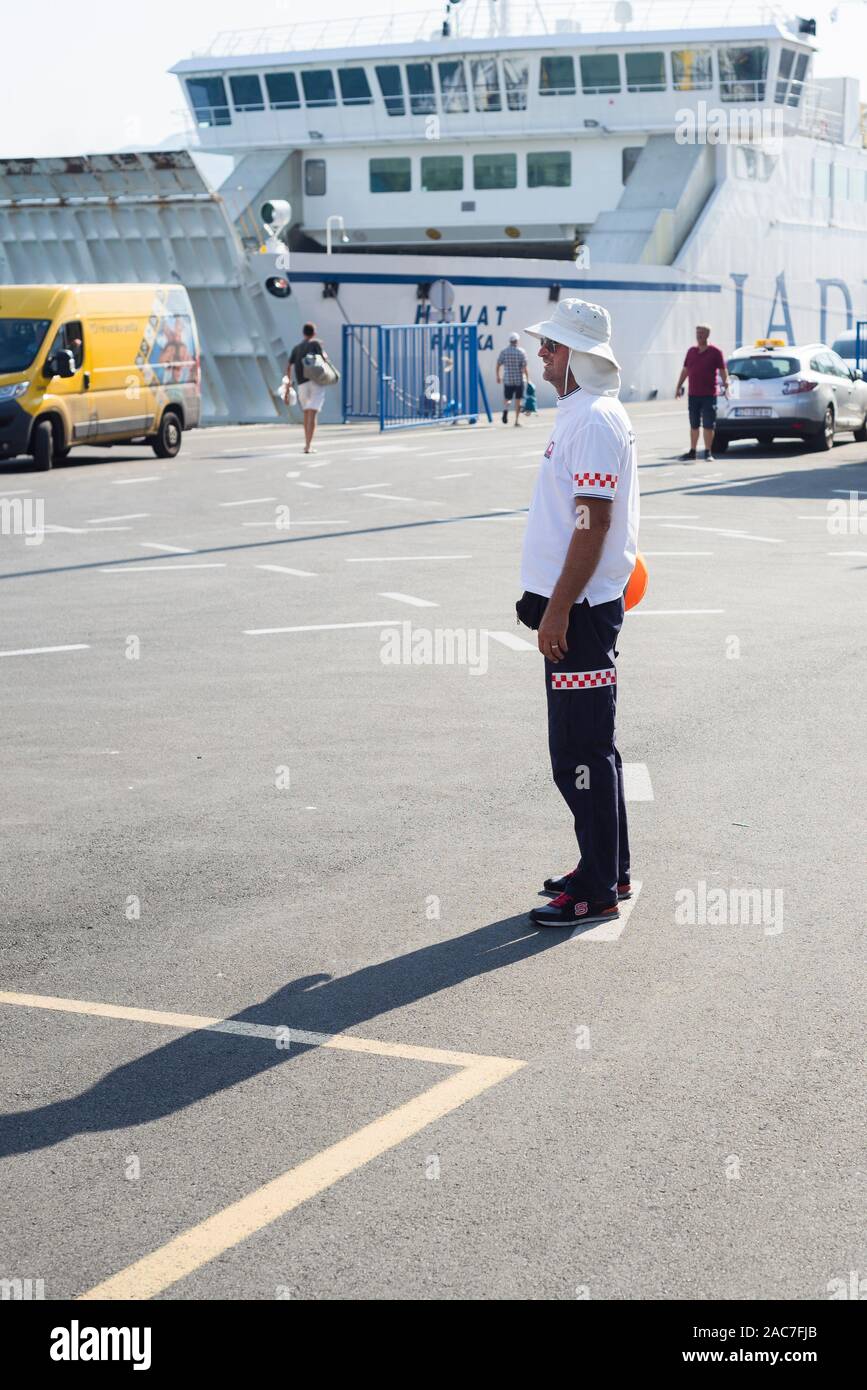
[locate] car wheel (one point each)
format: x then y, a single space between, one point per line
167 441
861 432
43 446
720 445
824 440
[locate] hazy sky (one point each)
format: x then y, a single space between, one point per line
82 78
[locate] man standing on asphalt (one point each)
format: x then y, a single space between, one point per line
701 365
512 371
579 551
311 396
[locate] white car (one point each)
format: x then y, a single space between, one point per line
778 391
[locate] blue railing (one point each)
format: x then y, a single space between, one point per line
412 374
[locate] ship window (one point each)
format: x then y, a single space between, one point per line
629 157
442 173
453 87
390 175
516 75
495 171
391 86
790 77
742 73
486 85
208 97
282 90
600 72
314 177
246 93
645 72
556 77
419 80
691 69
319 88
549 170
354 88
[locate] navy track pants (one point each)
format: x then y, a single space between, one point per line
587 768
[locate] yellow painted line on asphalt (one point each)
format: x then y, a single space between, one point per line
192 1249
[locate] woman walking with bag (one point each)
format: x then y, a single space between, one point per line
310 378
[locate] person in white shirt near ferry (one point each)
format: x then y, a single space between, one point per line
579 552
512 372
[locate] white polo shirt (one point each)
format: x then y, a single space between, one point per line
591 453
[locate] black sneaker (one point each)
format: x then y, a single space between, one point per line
566 911
559 885
688 457
505 417
708 456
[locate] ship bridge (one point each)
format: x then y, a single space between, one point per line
501 123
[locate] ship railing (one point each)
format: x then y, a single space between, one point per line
478 19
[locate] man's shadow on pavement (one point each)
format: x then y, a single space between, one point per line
201 1064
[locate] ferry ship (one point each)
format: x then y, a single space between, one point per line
677 163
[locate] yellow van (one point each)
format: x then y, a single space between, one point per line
96 365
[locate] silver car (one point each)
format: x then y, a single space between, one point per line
781 391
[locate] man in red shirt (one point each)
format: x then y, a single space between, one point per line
701 365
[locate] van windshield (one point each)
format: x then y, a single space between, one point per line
20 340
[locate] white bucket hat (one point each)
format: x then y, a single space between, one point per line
584 328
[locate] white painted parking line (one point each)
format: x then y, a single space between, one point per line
176 549
847 490
390 559
441 477
320 463
673 516
660 554
610 931
816 516
389 497
642 612
410 599
124 482
129 516
341 522
39 651
159 569
849 554
318 627
285 569
359 487
725 531
230 470
303 483
514 643
247 502
525 465
16 492
636 782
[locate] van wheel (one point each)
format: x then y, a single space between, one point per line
167 440
43 446
720 445
861 432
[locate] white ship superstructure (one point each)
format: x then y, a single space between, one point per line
677 163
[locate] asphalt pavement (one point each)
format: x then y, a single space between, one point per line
274 1022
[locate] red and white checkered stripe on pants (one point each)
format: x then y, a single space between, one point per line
582 680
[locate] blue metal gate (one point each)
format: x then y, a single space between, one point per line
412 374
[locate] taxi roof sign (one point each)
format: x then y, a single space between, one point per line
770 342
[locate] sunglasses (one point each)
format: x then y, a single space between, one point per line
549 345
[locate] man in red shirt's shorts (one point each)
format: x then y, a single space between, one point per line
701 365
